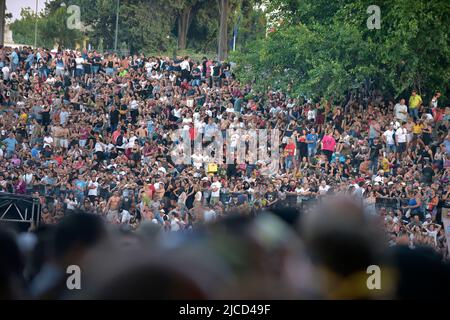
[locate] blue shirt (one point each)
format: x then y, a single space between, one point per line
11 144
15 57
447 146
80 184
150 128
30 58
312 137
35 153
237 105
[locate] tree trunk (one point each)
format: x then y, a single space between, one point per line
183 27
2 21
224 8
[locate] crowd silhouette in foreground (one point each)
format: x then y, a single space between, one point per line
328 253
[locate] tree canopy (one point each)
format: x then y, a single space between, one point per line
144 26
324 48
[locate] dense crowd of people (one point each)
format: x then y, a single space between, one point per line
95 132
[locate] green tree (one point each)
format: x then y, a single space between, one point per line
55 32
23 28
325 48
51 29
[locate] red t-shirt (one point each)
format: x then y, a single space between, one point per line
192 133
115 135
59 159
290 149
438 114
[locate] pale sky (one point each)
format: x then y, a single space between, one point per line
14 6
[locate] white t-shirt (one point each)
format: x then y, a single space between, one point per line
401 135
433 234
217 185
389 134
126 216
177 113
5 71
94 191
311 114
323 189
174 224
209 215
200 126
28 177
185 65
197 160
99 147
132 142
71 204
79 61
379 179
302 190
210 129
48 141
50 80
401 108
134 105
434 102
187 120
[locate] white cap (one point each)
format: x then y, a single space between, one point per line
162 169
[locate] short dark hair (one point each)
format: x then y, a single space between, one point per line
78 229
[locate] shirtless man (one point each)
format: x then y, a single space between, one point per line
147 193
64 137
159 191
198 214
141 132
56 132
112 208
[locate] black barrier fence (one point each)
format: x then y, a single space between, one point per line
389 203
19 210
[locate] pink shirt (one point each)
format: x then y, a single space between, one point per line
328 143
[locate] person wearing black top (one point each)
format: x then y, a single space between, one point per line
204 66
45 113
427 173
114 118
96 63
72 66
374 154
123 110
88 65
216 74
196 76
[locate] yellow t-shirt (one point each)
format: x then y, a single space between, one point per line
385 164
415 101
417 128
23 117
212 168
